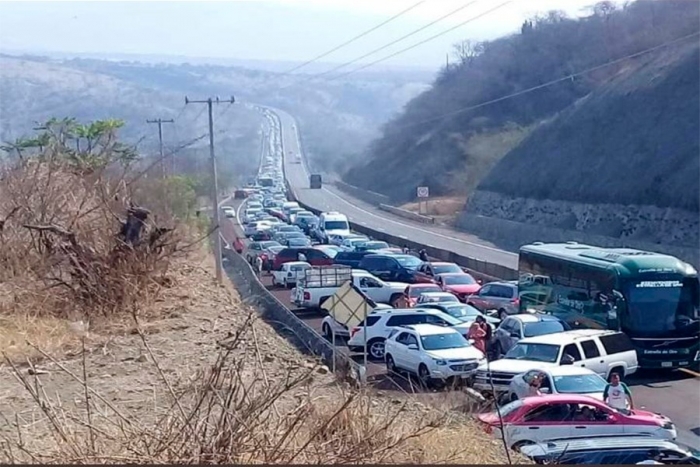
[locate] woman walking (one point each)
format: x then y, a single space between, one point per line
477 333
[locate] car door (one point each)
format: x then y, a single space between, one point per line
600 422
594 361
412 356
546 421
503 334
480 299
398 351
574 351
515 334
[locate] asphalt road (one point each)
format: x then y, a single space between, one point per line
675 394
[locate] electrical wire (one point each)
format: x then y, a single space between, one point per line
553 82
338 47
463 23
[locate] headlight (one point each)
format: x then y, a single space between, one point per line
440 362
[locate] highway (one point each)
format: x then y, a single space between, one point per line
675 394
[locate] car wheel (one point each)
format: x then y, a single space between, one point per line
375 349
513 397
327 333
502 314
424 375
390 365
274 282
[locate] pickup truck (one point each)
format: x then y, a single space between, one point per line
321 283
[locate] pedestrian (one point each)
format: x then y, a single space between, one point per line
477 334
406 250
534 386
258 264
617 395
488 337
301 256
423 255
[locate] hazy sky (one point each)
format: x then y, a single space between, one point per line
294 30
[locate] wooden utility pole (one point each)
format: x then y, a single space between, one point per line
215 184
160 122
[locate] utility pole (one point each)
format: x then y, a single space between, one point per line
160 122
215 183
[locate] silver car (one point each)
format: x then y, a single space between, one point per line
501 297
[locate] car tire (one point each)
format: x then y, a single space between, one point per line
375 349
274 282
390 365
519 444
327 333
513 397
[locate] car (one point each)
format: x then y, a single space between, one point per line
391 267
255 226
256 248
229 211
331 223
565 379
297 242
349 243
380 323
610 450
427 270
261 235
350 258
522 325
289 273
339 238
501 296
330 250
461 284
268 256
330 328
435 297
372 245
462 311
413 291
433 353
602 351
312 256
556 416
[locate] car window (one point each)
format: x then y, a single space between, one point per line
369 282
548 413
485 291
527 377
517 326
402 338
590 349
616 343
403 320
312 254
411 339
371 321
507 325
572 350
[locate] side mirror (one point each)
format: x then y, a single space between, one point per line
545 391
412 347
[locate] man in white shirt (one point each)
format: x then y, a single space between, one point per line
617 395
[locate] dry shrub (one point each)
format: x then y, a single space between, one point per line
232 413
74 245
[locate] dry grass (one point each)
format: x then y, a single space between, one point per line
440 207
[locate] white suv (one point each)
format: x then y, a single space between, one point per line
434 353
381 322
603 352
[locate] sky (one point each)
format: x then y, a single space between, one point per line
280 30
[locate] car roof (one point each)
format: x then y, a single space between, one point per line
400 311
563 398
440 263
567 370
425 284
296 263
436 294
565 336
454 274
533 317
430 329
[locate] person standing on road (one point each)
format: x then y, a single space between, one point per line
406 250
478 334
617 395
423 255
258 264
534 386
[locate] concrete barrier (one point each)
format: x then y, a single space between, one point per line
364 195
480 269
407 214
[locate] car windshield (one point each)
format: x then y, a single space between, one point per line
452 340
537 352
510 407
462 312
269 244
446 268
407 261
579 384
429 298
417 291
662 308
298 242
375 245
295 235
336 225
541 328
332 253
276 249
462 279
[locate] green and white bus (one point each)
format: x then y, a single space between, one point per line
651 297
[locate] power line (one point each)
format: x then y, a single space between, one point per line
555 81
343 65
338 47
367 65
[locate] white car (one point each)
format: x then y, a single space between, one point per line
256 226
330 327
559 380
434 353
289 273
349 243
229 211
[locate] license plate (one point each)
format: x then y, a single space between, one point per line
666 364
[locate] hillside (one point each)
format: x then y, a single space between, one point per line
436 142
337 118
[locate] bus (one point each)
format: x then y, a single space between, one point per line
653 298
315 181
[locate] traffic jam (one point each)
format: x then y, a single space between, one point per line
552 350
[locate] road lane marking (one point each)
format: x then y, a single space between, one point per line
418 229
690 372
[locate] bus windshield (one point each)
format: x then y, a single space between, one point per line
662 308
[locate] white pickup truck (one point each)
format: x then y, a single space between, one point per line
321 283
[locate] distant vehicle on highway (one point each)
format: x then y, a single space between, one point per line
566 379
313 256
459 283
315 181
651 297
399 268
289 274
331 223
412 292
499 296
427 271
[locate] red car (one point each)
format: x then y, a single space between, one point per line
427 271
459 283
314 257
413 292
559 416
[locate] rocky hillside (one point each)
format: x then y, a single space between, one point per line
627 119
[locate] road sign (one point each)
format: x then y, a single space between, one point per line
423 192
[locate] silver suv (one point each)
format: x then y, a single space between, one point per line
499 296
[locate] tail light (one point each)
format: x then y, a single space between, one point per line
354 331
307 296
515 301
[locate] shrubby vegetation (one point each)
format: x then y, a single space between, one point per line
434 141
